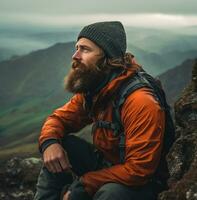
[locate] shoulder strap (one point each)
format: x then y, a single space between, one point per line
139 80
136 82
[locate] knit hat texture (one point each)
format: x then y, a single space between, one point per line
109 36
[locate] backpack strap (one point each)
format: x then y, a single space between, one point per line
140 80
136 82
108 125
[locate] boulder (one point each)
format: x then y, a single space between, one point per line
182 158
18 178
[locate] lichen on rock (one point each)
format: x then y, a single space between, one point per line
182 158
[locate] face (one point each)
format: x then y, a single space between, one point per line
87 52
84 75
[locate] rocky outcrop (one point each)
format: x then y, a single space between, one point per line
182 158
18 178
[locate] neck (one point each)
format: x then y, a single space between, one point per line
107 78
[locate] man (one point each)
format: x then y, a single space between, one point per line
100 66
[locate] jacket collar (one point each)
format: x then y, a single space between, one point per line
109 86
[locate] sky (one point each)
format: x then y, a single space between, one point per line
57 13
93 6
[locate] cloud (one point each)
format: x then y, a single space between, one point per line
157 20
92 6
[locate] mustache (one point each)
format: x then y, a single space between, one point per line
77 64
83 68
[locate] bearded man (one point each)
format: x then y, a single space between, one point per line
100 66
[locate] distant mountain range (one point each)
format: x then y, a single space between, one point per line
37 74
159 53
156 49
157 64
159 50
162 41
31 86
176 79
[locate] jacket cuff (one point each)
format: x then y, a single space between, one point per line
47 143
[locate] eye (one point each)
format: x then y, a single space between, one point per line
85 49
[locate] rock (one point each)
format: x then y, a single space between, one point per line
19 178
31 168
182 158
26 195
194 76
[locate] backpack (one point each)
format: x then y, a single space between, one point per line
139 80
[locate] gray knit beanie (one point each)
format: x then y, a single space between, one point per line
110 36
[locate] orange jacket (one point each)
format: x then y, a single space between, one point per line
143 122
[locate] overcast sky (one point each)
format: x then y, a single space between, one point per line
130 12
98 6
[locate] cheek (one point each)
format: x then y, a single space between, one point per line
89 60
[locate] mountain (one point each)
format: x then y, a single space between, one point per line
37 74
159 50
54 37
160 40
16 41
20 41
31 87
155 63
177 56
151 62
176 79
5 53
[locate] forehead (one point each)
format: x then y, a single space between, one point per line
87 42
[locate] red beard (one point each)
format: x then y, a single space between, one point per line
83 78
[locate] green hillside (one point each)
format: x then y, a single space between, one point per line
32 89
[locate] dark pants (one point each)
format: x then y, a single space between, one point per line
83 158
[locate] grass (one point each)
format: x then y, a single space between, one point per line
24 118
20 126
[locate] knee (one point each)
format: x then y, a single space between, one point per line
110 191
56 180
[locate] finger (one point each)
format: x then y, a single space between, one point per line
48 165
53 165
64 162
56 166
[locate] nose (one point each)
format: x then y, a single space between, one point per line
76 55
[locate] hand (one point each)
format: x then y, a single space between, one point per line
66 196
55 158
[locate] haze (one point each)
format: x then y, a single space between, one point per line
144 13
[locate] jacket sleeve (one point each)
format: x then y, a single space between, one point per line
143 122
69 118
